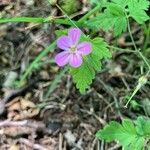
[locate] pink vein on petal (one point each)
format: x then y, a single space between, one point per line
84 48
74 35
75 60
62 58
64 42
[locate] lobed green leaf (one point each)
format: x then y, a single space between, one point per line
84 75
137 10
115 15
131 136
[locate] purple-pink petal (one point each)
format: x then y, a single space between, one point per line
64 42
62 58
74 35
84 48
75 60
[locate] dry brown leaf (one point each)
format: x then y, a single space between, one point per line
115 70
14 147
16 131
20 108
18 128
4 2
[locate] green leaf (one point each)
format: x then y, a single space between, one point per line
146 128
84 75
140 122
100 48
122 133
115 10
66 5
109 132
125 133
143 126
61 32
137 10
113 17
137 144
122 3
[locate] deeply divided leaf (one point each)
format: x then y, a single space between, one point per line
137 10
84 75
113 17
131 136
115 14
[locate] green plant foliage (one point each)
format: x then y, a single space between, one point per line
137 10
61 32
143 126
122 3
112 17
84 75
130 135
97 1
116 13
69 6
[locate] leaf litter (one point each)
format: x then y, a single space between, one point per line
68 120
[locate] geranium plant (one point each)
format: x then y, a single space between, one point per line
83 55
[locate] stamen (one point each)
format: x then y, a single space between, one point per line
73 48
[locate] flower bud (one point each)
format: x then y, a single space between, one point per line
142 80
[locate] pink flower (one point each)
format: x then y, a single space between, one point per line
72 49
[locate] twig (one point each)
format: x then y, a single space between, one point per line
32 145
60 141
115 147
28 123
110 92
93 144
12 123
102 121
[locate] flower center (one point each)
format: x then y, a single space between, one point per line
73 49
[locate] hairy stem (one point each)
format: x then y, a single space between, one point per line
135 47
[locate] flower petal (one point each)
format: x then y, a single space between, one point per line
75 60
62 58
74 35
64 42
84 48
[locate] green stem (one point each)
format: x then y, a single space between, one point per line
133 94
121 49
130 33
49 19
36 60
144 59
90 13
22 19
67 22
147 38
141 55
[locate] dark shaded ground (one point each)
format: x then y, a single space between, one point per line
68 120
